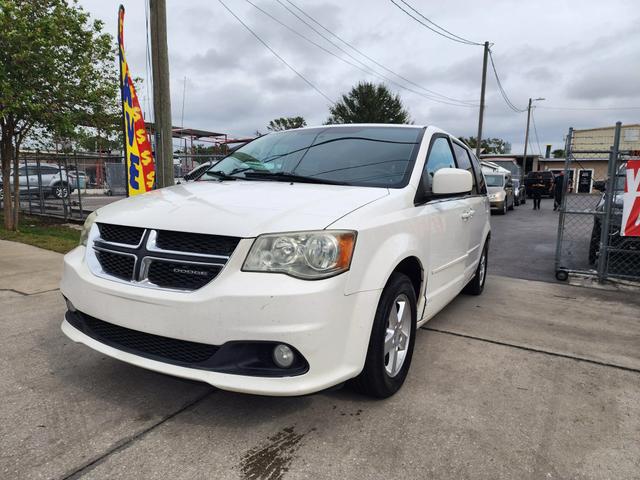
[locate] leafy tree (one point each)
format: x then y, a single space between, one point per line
488 145
56 74
369 103
286 123
558 153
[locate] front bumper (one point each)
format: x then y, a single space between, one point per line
330 329
497 204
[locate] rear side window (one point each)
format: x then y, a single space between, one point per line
464 163
440 156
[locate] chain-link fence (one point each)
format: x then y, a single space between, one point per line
589 193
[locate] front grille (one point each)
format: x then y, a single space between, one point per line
120 266
120 234
147 344
160 258
196 243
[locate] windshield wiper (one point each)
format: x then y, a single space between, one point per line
291 177
220 174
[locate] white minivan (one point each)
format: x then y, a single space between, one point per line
304 259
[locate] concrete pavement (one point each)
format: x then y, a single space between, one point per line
530 380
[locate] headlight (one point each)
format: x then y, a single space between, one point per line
86 228
306 255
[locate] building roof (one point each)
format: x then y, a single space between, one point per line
181 132
611 127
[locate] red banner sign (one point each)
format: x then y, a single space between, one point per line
138 155
631 200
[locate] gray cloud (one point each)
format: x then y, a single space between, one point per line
572 55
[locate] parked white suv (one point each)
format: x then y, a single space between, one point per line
304 259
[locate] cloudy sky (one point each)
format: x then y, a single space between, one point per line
574 53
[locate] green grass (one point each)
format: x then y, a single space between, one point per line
43 233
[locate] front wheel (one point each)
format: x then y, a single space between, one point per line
391 342
61 190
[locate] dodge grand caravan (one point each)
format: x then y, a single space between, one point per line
302 260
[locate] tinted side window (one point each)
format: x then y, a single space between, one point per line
480 181
440 156
464 162
47 170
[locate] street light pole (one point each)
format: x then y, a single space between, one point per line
482 89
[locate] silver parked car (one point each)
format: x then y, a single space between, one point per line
500 190
46 177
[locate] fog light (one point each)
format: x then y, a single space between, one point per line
283 356
70 306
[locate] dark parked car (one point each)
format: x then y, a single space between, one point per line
547 180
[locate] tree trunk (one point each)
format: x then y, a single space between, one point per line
6 155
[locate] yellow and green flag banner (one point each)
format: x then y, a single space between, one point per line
137 147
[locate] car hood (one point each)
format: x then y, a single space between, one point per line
495 189
240 208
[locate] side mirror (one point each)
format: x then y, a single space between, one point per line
450 181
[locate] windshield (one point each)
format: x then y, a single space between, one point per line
494 180
362 156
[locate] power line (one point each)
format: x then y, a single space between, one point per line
368 70
360 52
307 81
503 93
535 130
461 39
447 35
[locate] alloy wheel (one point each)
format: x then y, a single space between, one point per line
482 271
396 341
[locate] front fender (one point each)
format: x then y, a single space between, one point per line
374 261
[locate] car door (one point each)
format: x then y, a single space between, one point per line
444 219
477 203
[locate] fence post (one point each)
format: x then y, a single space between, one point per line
27 173
64 204
608 203
561 216
75 161
40 191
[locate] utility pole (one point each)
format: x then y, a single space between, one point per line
526 142
482 89
526 138
161 93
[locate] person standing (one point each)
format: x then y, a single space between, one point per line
537 188
558 187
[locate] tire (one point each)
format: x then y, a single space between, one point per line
504 208
512 204
60 190
562 275
476 285
524 200
380 377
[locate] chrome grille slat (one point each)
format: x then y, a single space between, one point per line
155 267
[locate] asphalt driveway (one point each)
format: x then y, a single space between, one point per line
531 380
